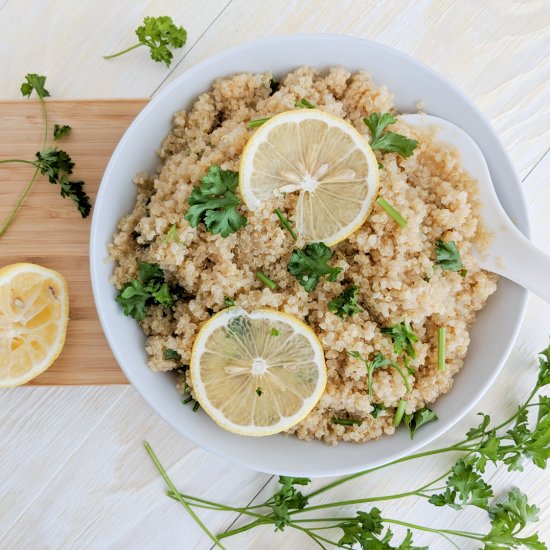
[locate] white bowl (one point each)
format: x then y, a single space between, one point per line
410 81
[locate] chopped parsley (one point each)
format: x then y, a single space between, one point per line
273 332
172 355
419 418
303 103
379 362
391 211
377 409
257 122
228 302
215 203
149 288
403 338
285 222
159 34
346 303
269 283
347 421
388 141
259 391
172 234
447 256
463 272
309 264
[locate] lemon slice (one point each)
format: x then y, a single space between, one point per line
34 311
259 373
321 157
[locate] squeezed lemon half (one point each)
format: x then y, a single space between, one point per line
257 374
34 311
322 158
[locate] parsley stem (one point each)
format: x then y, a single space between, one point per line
45 111
441 348
465 534
390 210
17 160
185 504
123 51
266 280
286 224
11 215
246 527
257 122
402 374
402 405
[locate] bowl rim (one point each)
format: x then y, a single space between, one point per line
523 224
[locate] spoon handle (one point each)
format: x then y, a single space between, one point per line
513 256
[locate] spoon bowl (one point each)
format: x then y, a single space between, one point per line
510 253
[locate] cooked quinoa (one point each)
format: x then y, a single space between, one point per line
393 267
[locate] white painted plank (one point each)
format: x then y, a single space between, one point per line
67 41
109 494
496 52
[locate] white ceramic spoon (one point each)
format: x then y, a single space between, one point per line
510 254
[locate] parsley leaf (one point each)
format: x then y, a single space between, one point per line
303 103
159 34
345 303
34 82
377 409
379 362
287 498
149 288
309 264
403 338
388 141
60 131
57 165
419 418
172 355
464 487
447 255
228 302
347 421
215 203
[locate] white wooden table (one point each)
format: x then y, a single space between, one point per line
73 472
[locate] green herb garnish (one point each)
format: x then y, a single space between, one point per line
441 348
269 283
399 412
377 409
303 103
379 362
159 34
172 355
60 131
309 264
228 302
56 164
172 234
419 418
148 289
274 86
215 203
510 444
463 272
447 255
259 391
403 338
346 303
285 222
391 211
347 421
196 406
257 122
388 141
274 332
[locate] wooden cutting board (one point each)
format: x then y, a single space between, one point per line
48 230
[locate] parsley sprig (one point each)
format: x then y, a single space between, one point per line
215 203
387 141
50 161
403 338
519 438
447 256
147 289
159 34
310 263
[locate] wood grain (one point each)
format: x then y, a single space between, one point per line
49 231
